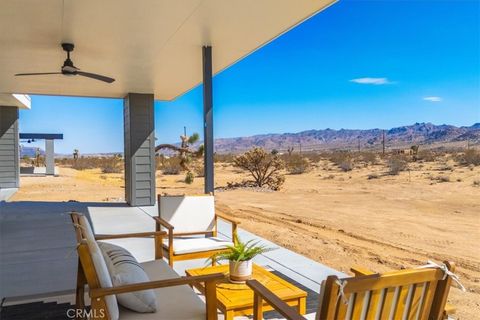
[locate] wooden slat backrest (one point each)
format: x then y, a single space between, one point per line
408 294
86 272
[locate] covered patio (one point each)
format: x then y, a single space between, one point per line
32 231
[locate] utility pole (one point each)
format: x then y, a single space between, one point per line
185 131
383 142
358 138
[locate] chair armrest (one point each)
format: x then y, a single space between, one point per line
261 293
163 223
359 271
130 235
450 309
227 218
101 292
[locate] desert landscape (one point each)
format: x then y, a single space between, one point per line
341 209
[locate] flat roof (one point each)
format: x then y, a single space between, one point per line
40 136
148 46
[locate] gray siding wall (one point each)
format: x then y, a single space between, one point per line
9 153
139 136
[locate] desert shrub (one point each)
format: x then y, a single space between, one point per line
200 170
314 157
426 155
346 165
471 157
476 183
443 179
265 168
171 166
111 165
189 177
342 159
159 161
85 163
297 164
369 157
445 167
373 176
396 164
337 157
224 158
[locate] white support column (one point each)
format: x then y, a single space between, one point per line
49 157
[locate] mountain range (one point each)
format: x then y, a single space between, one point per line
424 134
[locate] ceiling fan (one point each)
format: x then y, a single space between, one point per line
69 69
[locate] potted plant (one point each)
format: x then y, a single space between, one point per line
240 257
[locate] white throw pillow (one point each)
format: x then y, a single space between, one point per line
100 267
125 269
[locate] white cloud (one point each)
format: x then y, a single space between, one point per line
375 81
433 99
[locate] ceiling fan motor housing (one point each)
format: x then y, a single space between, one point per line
68 47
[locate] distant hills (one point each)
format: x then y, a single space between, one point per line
424 134
427 135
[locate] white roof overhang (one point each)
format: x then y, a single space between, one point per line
148 46
21 101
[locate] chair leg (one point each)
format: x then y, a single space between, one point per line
170 261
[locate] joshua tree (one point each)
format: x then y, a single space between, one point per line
264 168
290 151
414 151
75 154
185 152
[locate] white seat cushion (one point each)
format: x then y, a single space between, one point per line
124 269
173 303
182 245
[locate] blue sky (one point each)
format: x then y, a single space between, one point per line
359 64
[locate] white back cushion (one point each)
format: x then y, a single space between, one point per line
125 269
100 267
188 213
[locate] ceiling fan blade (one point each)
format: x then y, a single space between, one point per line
95 76
37 73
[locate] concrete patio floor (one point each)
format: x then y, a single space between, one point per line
38 258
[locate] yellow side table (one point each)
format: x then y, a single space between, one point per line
237 299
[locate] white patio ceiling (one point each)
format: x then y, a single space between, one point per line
148 46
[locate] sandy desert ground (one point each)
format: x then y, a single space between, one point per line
338 218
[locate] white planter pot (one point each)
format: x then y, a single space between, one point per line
240 271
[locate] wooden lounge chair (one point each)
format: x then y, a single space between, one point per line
175 299
191 224
407 294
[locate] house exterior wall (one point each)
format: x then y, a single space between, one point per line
9 148
139 147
